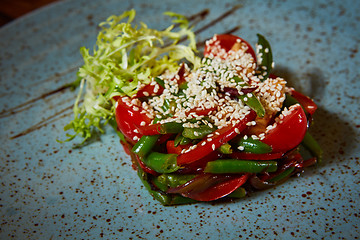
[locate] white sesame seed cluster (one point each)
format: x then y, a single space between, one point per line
272 94
205 90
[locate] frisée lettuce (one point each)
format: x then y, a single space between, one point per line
126 55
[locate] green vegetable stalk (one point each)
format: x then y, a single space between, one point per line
254 146
145 145
240 166
313 146
163 198
161 162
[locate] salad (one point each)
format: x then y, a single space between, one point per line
197 128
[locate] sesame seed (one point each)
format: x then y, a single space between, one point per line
135 138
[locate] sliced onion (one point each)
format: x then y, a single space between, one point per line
233 92
197 184
209 187
259 184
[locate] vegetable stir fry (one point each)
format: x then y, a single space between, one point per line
196 128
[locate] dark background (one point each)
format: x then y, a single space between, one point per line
12 9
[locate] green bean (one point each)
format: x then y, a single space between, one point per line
169 106
160 82
240 166
161 162
162 197
183 86
254 146
250 99
266 62
160 185
159 196
225 148
164 181
290 100
253 102
171 127
238 193
198 132
145 145
181 140
282 175
178 199
313 146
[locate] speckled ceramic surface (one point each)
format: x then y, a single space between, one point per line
49 190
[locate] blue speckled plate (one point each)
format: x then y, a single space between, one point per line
53 191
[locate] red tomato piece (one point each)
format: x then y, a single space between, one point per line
150 129
226 42
129 119
289 132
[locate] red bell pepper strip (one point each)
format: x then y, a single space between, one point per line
220 137
289 132
307 103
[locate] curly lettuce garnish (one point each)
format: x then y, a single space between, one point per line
124 57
